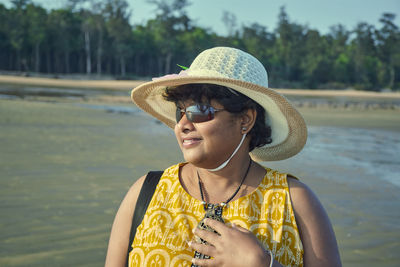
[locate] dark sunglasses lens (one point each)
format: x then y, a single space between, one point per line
178 114
195 113
199 113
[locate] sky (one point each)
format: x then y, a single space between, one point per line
316 14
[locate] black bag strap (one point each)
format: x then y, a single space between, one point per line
145 195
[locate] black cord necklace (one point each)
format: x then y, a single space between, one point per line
214 211
223 204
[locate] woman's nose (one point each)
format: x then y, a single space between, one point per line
184 124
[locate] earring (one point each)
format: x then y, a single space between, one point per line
244 129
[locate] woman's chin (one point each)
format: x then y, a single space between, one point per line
193 159
200 163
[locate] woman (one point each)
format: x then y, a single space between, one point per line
220 207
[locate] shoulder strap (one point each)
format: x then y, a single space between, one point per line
145 195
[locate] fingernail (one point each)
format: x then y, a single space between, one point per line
189 243
205 221
194 230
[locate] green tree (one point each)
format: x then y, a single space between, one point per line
88 32
365 57
37 17
171 21
64 30
260 43
388 47
87 28
194 41
315 63
5 45
93 28
289 47
342 71
117 15
145 51
18 31
100 26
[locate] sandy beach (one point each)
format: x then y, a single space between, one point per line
70 151
68 83
345 108
122 85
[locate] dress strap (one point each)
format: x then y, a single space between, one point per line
145 195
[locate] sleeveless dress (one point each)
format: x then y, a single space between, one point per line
161 239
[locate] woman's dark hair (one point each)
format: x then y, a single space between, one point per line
234 103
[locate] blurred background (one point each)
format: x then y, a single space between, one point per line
312 44
72 143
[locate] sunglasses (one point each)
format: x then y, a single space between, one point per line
197 113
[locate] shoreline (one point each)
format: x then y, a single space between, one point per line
355 109
70 83
383 119
129 84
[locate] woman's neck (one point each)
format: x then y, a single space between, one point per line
227 177
219 186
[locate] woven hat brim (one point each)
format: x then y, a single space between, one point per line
289 131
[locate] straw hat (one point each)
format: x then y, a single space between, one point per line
242 72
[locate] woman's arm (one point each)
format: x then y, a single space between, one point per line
316 232
119 238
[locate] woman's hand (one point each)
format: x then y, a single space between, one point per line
234 246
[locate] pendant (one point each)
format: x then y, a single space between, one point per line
213 212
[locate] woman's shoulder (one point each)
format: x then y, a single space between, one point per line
119 238
308 209
135 188
299 191
277 178
315 227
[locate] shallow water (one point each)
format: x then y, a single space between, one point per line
66 166
374 152
356 175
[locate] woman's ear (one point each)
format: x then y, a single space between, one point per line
247 120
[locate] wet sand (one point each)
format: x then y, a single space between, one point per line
129 84
68 83
66 164
64 170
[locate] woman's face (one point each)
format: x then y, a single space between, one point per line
208 144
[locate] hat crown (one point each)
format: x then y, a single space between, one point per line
231 63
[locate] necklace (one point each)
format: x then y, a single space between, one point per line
213 211
223 204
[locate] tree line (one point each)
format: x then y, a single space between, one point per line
96 37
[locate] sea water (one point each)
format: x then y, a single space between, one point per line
65 167
373 152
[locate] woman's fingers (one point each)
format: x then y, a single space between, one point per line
202 248
203 262
240 228
232 246
209 237
220 227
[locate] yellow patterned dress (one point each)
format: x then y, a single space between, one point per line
161 238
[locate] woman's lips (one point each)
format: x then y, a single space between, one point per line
189 142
